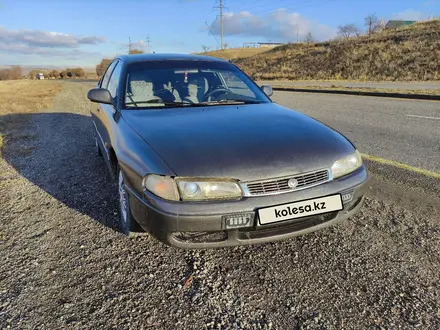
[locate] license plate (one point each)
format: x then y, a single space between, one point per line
300 209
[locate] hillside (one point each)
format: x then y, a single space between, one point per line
235 53
406 54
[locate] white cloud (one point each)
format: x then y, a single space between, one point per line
24 49
46 44
409 15
278 26
45 39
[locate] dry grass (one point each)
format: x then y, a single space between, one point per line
407 54
91 74
23 97
235 53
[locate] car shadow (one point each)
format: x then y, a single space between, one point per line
56 152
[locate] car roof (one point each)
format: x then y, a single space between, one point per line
134 58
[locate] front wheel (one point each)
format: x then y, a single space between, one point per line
97 148
126 220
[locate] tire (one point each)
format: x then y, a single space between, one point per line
126 220
97 148
127 223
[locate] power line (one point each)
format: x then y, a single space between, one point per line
264 8
298 5
201 17
212 33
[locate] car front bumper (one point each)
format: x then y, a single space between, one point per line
202 225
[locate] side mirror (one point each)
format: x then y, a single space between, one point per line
267 89
100 95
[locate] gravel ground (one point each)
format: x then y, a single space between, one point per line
63 263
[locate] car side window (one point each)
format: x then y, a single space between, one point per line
235 84
114 80
107 74
232 81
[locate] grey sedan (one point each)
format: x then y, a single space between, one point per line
203 157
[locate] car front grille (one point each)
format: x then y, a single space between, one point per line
281 185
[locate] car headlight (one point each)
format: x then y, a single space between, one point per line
346 165
189 189
200 189
162 186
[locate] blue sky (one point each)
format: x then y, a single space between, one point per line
81 32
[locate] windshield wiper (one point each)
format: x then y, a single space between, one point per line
230 101
165 104
139 104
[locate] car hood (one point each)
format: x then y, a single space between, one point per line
246 142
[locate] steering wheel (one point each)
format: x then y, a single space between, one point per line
215 92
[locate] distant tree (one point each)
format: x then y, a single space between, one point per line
55 74
225 45
371 23
101 67
32 74
136 51
14 72
17 72
69 73
205 48
309 38
78 72
348 30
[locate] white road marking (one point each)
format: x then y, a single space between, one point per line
426 117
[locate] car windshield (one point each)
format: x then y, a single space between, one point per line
188 84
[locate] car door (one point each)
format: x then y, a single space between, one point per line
108 111
97 112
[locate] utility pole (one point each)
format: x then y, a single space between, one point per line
129 45
221 23
148 45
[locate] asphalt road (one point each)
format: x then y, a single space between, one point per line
367 84
406 131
